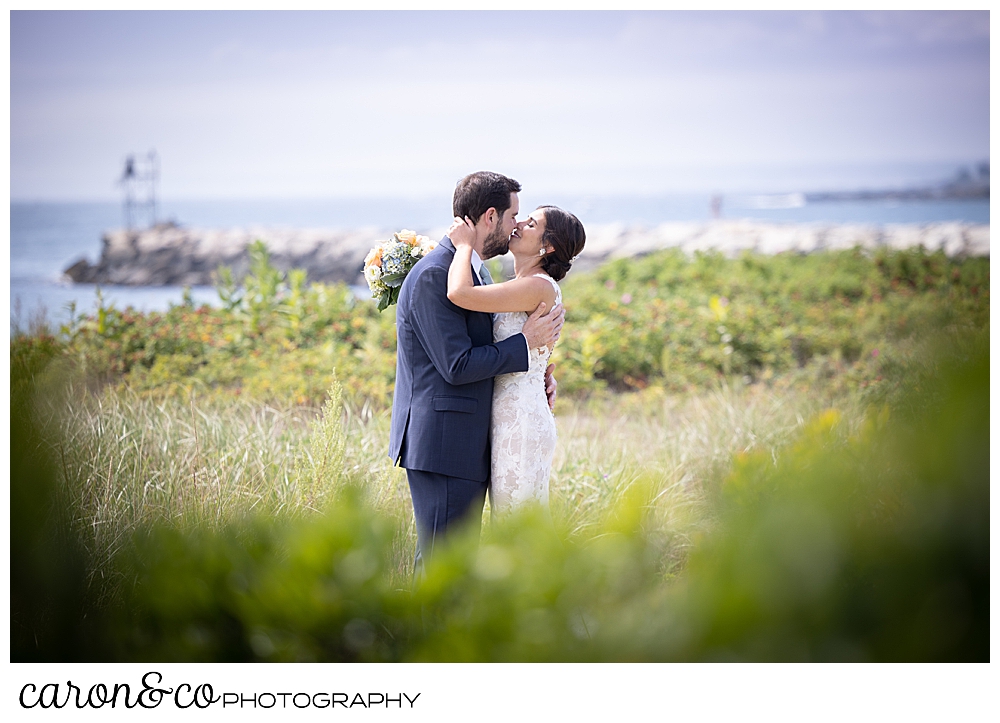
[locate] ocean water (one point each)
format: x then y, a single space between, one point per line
45 238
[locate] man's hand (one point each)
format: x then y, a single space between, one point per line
543 329
550 386
462 232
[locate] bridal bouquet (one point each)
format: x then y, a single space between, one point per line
388 263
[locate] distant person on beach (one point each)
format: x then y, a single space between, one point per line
445 364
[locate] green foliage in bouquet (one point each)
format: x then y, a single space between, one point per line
388 263
390 296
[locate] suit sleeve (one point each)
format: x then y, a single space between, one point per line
441 328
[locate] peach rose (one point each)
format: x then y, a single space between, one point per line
407 237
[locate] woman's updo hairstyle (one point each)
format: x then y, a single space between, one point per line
564 232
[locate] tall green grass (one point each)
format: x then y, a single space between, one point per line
863 539
127 460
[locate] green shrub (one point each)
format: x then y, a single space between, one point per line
664 320
273 339
688 322
263 589
871 548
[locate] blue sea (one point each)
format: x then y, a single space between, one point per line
45 238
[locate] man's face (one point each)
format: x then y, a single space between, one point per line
496 243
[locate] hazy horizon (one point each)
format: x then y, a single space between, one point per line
400 104
822 179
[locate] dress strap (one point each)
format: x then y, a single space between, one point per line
555 285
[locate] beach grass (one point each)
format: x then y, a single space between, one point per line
741 523
128 460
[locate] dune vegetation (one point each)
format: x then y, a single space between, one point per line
760 458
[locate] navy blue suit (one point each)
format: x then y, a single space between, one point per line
445 364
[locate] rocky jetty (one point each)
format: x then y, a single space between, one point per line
168 254
732 238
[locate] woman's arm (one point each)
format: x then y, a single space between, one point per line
517 295
460 271
440 328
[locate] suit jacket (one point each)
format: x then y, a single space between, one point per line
445 364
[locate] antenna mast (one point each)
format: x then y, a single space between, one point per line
139 179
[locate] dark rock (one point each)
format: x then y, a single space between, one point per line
80 272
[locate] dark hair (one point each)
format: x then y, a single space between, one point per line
565 233
478 192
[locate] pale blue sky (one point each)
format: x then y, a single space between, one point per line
275 104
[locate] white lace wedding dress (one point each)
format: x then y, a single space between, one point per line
522 428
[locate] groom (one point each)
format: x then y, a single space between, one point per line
445 364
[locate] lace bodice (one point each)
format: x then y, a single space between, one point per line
522 429
508 323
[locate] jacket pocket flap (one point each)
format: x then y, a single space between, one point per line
455 404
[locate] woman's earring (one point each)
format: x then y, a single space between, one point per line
541 252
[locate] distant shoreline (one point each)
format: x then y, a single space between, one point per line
169 254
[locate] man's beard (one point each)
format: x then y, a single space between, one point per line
496 244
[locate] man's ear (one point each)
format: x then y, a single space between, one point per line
491 217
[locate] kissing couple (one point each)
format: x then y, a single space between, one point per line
472 406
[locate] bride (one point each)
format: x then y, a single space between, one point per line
522 428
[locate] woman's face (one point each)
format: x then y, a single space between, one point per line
527 237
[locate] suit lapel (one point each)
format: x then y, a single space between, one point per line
476 281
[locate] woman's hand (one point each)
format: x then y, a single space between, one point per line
462 232
550 386
541 328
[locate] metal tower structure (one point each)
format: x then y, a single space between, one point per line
139 179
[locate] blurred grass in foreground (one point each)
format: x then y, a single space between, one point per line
869 542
